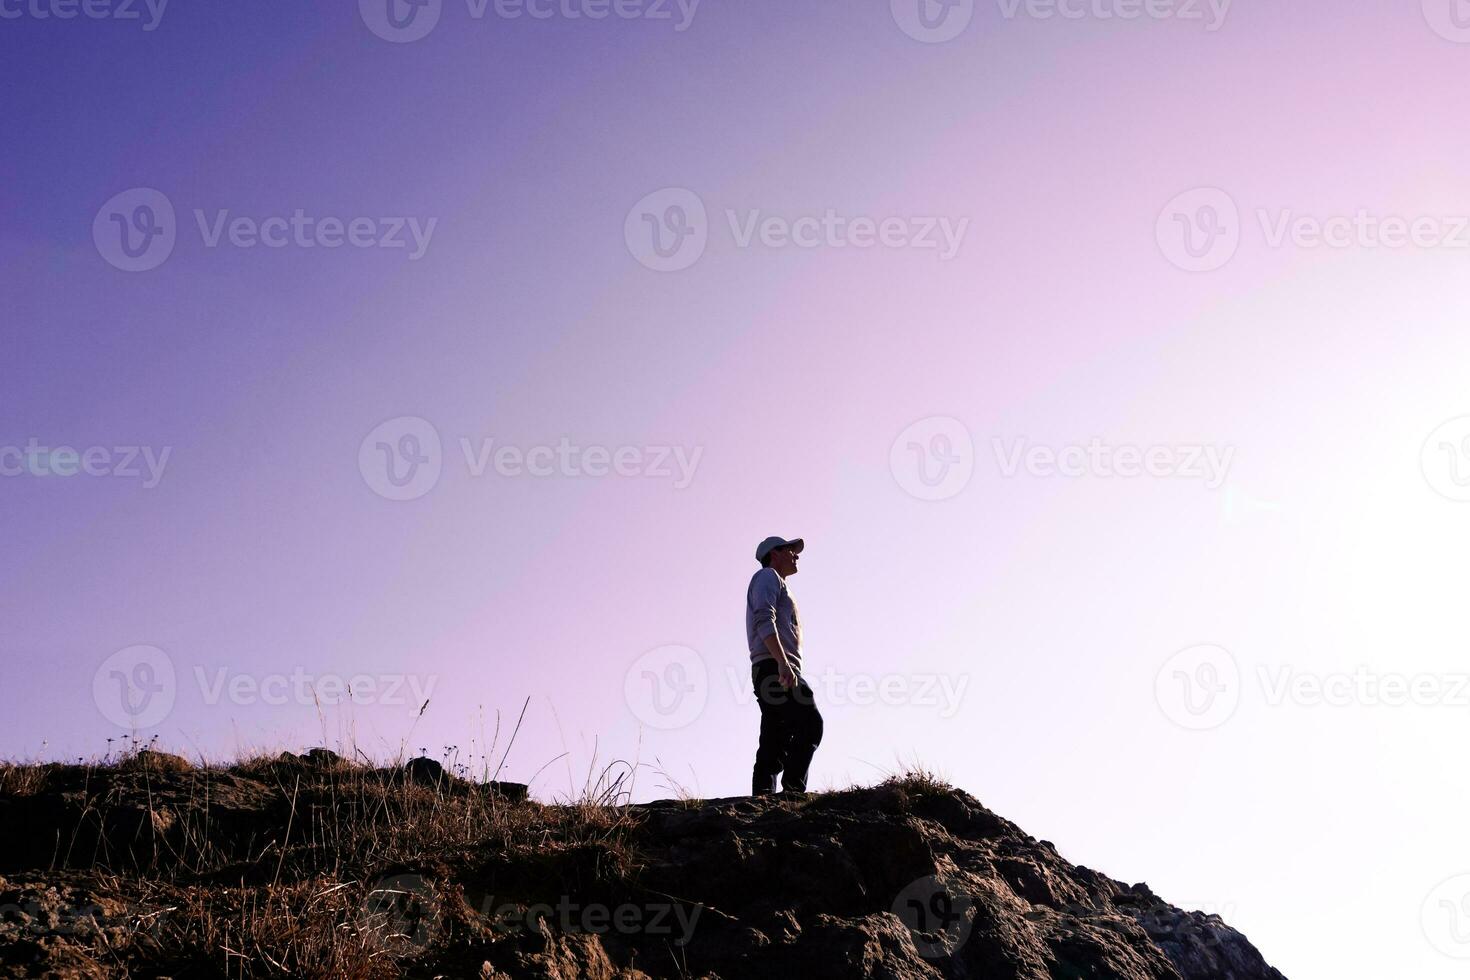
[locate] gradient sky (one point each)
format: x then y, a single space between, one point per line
1334 544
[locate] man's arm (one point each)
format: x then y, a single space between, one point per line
787 675
766 593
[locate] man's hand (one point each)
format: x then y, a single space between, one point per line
787 676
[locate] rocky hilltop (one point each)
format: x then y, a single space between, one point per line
307 866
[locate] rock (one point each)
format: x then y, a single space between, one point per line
318 758
874 946
325 759
149 760
514 792
121 866
427 771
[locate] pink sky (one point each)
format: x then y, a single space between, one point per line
1023 625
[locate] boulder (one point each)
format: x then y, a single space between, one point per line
150 760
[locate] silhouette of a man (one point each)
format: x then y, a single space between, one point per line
791 725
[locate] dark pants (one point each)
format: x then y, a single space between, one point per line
791 730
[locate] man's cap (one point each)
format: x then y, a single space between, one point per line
772 543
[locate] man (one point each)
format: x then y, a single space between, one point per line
791 726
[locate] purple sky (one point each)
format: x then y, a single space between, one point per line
1299 378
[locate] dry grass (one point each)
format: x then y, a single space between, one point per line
275 866
19 779
916 778
320 928
210 888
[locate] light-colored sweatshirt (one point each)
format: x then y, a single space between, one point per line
769 609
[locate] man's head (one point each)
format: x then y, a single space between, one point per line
780 554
